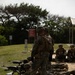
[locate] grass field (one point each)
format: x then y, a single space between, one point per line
16 52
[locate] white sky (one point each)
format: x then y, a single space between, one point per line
57 7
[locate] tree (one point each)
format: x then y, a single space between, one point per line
17 19
1 30
58 28
26 16
3 40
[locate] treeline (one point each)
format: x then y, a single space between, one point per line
16 19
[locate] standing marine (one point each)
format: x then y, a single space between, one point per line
40 53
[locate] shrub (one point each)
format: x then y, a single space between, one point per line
3 40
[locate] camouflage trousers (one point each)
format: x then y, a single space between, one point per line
40 64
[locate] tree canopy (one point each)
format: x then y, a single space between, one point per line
16 19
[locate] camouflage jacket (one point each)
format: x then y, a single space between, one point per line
41 45
61 51
71 52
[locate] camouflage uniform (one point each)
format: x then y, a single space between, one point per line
71 53
50 39
52 48
40 55
61 53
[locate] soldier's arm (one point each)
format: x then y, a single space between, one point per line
64 51
57 52
69 53
33 51
35 48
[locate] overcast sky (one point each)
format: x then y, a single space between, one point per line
56 7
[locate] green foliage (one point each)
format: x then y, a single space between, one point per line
1 29
3 40
27 16
9 30
59 28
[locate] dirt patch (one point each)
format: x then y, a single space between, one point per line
71 66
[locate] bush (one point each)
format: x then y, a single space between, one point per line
3 41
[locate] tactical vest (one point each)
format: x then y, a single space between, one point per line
44 45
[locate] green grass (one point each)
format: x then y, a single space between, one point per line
10 53
15 52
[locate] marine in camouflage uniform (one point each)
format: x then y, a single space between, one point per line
71 53
50 39
40 54
60 53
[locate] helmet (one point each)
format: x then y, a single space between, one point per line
72 45
40 29
60 45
